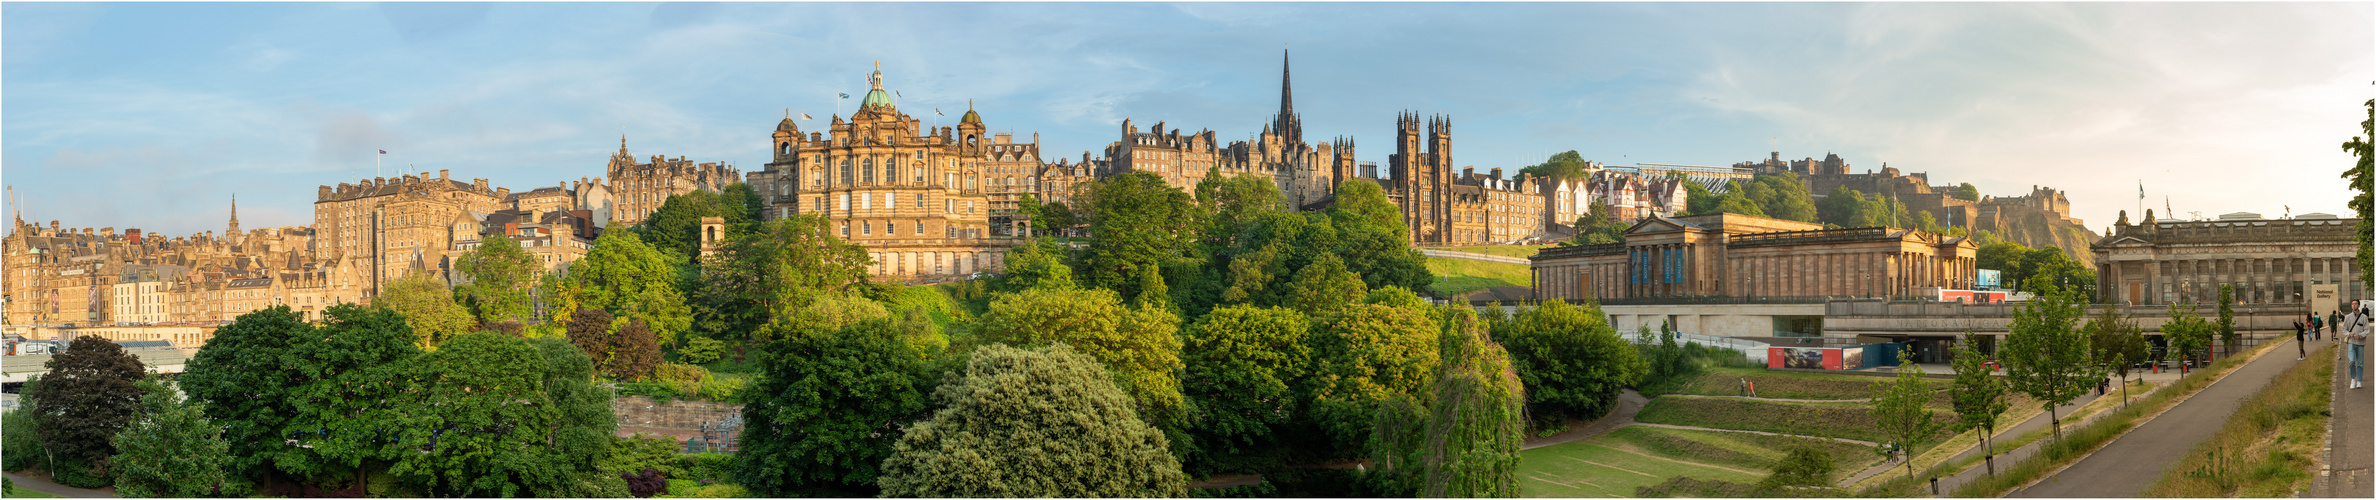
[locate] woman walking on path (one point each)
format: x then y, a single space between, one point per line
2355 338
2301 352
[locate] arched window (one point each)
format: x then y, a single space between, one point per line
784 149
848 176
866 172
891 171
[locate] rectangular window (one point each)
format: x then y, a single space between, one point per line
891 200
919 228
867 228
845 202
865 200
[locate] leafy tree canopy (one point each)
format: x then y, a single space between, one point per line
172 450
428 305
1364 355
832 401
1573 363
500 276
1477 421
90 392
1140 345
1032 423
782 265
1138 222
1242 364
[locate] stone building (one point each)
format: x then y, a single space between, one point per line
1305 173
915 198
381 229
543 200
1632 197
555 238
638 189
2159 262
1739 256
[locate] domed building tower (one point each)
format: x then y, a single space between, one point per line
923 201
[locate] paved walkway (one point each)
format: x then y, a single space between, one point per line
2345 472
2126 466
42 484
1456 254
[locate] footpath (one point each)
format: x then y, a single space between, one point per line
2132 462
2344 470
43 484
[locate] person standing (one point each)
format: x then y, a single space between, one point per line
2301 352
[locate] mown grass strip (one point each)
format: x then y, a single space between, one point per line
1846 420
2265 448
1457 276
2077 442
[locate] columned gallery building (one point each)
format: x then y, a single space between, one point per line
2159 262
1739 256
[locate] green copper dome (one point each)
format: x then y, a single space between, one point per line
876 96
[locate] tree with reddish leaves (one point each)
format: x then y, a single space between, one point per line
89 394
590 330
646 484
634 351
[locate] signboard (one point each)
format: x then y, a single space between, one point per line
1804 358
2325 298
1989 278
1971 296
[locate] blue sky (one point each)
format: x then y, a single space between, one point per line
151 115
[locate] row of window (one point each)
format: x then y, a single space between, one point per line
892 228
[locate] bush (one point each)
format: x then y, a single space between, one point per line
1805 466
701 351
1687 487
1256 490
80 475
632 454
645 484
20 445
721 491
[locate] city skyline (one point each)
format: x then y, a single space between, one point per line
269 101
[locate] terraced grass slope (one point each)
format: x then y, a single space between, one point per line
1846 420
1458 277
1519 251
1615 464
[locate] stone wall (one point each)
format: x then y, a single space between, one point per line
640 411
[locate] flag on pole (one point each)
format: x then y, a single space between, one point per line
805 116
383 151
936 111
895 93
2169 212
2140 190
845 95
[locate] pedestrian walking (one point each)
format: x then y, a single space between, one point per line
2314 325
2356 348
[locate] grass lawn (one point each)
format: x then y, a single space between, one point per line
1726 381
1456 276
1617 463
25 493
1846 420
1612 465
1519 251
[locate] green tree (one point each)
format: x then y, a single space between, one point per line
89 393
482 420
1979 396
1365 205
2362 176
1038 264
1373 240
1967 192
620 268
2046 356
831 402
1058 219
1803 466
1782 196
240 380
1843 207
2227 317
782 265
349 380
582 434
664 312
1928 223
2118 342
1032 423
501 276
1141 345
1736 203
675 227
1573 363
20 437
428 306
1138 223
1698 199
1366 354
172 450
1899 411
1477 422
1568 165
1325 287
2187 334
1241 366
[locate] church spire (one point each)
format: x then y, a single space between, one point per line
234 213
1288 125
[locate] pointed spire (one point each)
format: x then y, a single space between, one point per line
1288 125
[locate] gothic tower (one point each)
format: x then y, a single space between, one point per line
1288 125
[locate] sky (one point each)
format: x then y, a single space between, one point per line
154 115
